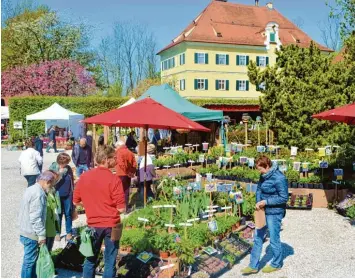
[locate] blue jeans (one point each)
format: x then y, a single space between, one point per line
110 255
67 208
29 258
273 223
31 179
80 169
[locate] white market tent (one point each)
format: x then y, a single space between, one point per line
61 117
129 102
5 113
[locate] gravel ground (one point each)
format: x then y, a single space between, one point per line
316 243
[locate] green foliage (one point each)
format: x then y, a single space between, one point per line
248 206
304 82
138 239
89 106
350 212
238 135
292 175
185 253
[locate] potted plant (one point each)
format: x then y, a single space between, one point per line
69 145
161 243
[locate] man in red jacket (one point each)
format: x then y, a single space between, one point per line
101 193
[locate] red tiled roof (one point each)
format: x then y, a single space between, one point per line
340 56
240 25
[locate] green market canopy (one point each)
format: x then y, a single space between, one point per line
168 97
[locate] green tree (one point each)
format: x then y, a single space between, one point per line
38 35
301 83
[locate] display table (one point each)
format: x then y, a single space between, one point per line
321 197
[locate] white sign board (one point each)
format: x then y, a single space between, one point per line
18 125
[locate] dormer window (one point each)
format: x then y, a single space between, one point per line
272 37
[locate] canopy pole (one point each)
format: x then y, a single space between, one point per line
145 167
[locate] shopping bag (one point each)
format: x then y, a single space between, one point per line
44 266
85 245
260 218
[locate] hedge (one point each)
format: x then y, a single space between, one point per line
221 101
20 107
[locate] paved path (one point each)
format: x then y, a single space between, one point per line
317 243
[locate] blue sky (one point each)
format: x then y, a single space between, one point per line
167 18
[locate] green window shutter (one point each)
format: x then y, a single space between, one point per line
267 61
180 59
227 84
247 85
217 57
206 84
257 87
237 87
173 62
227 59
195 58
237 59
195 84
272 37
183 58
206 58
257 61
216 84
247 59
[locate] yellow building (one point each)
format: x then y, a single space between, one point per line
209 58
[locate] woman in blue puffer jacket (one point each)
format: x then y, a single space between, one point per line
272 195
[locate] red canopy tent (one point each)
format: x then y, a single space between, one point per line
344 114
146 113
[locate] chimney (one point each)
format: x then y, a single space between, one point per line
270 6
257 3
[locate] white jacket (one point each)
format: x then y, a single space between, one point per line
30 159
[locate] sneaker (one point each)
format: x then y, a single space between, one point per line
57 238
69 236
269 269
248 270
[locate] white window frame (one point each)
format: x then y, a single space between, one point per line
262 58
222 84
225 59
201 81
242 85
199 56
182 84
244 57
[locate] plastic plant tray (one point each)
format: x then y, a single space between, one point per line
204 260
297 204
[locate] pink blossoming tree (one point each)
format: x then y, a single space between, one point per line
52 78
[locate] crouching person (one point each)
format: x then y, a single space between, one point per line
101 193
32 220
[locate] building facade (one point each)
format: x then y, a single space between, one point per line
210 58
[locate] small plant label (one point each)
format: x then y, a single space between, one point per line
193 220
338 172
243 160
260 148
328 150
221 188
226 207
294 150
211 187
323 164
296 166
169 206
212 206
170 225
251 162
210 211
185 224
167 266
207 216
143 219
228 187
321 152
157 206
144 257
212 225
201 158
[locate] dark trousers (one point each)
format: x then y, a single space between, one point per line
49 243
126 183
31 179
54 147
150 193
110 254
67 206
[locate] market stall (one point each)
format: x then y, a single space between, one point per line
61 117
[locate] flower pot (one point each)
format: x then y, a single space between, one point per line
128 227
173 255
125 249
68 147
163 254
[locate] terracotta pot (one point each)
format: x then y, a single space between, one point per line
128 227
125 249
163 254
148 227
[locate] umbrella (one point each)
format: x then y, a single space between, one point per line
146 113
344 114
